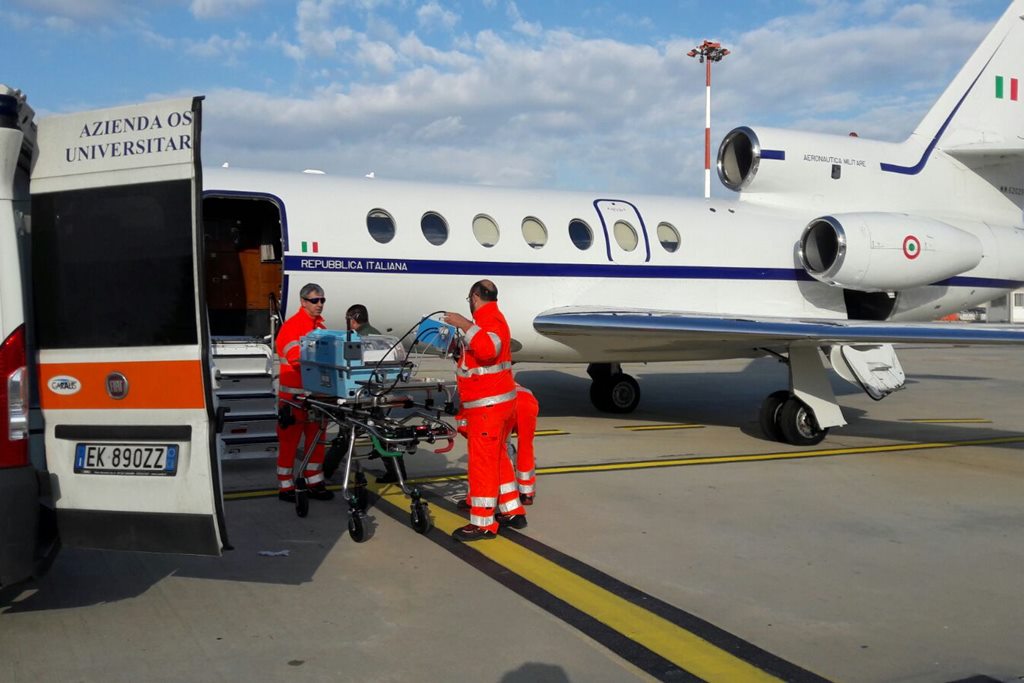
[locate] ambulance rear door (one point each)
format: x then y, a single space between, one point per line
124 370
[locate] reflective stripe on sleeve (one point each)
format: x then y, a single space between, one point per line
490 400
510 487
481 502
470 333
289 346
524 476
483 369
496 340
481 521
526 489
524 390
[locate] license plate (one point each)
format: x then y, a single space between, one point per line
125 458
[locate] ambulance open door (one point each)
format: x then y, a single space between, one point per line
124 370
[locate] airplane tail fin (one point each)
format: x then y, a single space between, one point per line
979 119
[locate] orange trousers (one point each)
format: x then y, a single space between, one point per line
288 439
527 409
492 483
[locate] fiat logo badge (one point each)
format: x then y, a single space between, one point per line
117 386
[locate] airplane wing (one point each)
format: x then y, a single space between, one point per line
597 332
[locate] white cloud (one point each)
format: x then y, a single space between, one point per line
555 108
211 9
432 15
218 47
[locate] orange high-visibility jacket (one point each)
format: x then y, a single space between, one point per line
293 329
484 372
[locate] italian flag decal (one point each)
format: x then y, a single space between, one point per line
911 247
315 247
1007 88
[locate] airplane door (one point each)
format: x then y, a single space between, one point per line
124 370
625 232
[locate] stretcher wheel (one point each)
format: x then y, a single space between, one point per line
356 530
420 518
301 503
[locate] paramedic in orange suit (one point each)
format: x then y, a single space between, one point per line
527 409
488 395
293 425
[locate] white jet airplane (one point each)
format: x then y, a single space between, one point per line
836 244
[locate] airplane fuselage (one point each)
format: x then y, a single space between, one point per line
712 257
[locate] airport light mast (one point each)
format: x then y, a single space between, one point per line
708 52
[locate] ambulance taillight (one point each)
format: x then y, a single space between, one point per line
13 401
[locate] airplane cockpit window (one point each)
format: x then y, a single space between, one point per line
534 232
668 236
380 225
625 235
580 234
435 228
485 230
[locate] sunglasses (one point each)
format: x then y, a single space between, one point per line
316 299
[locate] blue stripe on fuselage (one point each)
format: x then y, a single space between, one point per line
347 264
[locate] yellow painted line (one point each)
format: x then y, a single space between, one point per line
701 460
681 647
550 432
654 428
755 457
950 420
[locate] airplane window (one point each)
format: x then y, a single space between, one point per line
534 232
435 229
625 235
668 236
381 226
580 234
485 230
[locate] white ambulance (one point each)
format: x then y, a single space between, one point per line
107 411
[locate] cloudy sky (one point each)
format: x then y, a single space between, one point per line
555 93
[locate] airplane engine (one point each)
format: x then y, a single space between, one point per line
777 161
885 252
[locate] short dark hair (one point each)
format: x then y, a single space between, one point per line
485 289
358 313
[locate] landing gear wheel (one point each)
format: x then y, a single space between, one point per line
420 519
623 394
769 417
798 424
356 530
360 495
301 503
619 393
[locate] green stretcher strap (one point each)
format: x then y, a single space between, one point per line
379 447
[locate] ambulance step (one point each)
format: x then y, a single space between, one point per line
245 387
241 439
250 451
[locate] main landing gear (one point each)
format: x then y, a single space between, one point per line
612 391
803 415
786 418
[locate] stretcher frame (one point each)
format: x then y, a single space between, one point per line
423 402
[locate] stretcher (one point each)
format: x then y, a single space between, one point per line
376 401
